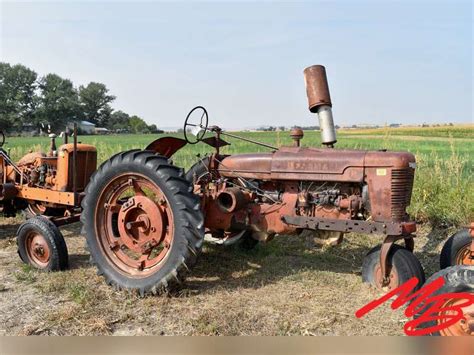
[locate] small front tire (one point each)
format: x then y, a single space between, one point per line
41 245
405 265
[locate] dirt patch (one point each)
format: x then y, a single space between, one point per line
285 287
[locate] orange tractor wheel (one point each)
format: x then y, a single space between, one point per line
41 245
457 250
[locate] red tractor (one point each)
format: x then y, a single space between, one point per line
145 219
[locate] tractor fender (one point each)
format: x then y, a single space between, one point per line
166 146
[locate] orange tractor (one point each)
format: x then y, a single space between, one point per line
48 188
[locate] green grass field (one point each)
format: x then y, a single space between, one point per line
443 192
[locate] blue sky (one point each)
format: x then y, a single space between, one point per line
387 61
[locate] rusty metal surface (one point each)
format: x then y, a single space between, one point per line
37 249
63 178
135 225
254 166
215 142
346 226
166 146
62 221
401 188
317 88
45 195
292 163
30 158
233 199
297 135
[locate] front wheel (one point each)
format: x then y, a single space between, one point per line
143 224
405 265
41 245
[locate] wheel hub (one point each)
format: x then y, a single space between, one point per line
463 257
38 249
140 224
135 224
385 284
464 326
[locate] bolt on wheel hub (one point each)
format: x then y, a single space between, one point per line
135 224
463 256
37 249
464 326
390 283
140 222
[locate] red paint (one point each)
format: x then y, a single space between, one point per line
435 305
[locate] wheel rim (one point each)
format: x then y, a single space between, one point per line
134 225
463 256
378 279
37 249
463 326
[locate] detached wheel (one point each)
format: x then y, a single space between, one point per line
143 224
41 245
457 278
457 250
405 265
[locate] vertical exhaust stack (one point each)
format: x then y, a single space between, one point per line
319 102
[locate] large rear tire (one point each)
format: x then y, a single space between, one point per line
143 224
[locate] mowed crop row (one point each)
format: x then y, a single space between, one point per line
443 191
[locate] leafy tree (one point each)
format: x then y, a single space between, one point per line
137 125
17 95
154 129
25 99
58 102
94 103
118 120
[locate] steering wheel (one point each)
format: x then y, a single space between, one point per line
2 138
197 129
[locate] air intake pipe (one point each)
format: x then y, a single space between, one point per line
319 102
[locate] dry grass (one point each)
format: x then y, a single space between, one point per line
286 287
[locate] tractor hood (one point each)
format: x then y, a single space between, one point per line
296 163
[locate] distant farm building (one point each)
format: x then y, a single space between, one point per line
101 130
86 127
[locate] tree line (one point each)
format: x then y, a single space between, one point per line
29 100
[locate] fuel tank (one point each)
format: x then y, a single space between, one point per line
313 164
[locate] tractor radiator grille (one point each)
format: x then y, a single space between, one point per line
402 184
86 165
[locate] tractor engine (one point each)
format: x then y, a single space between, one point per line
55 172
44 183
264 191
